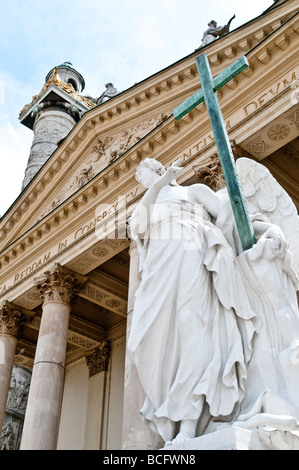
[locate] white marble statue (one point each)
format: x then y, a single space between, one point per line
215 332
214 31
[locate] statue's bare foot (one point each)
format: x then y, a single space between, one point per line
187 431
181 437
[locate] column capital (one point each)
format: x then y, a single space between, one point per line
210 174
59 284
11 319
97 359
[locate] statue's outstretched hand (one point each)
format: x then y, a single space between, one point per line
170 174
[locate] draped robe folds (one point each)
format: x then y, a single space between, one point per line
192 326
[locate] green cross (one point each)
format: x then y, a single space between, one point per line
207 93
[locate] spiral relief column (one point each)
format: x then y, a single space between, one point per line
11 320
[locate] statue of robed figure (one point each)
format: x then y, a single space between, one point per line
215 326
215 330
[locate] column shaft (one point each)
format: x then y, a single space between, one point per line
57 288
40 429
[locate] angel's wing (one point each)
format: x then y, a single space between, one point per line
264 195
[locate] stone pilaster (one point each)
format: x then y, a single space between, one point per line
11 321
97 360
57 288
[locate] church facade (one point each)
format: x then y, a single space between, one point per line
68 267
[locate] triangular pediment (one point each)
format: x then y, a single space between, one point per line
140 121
101 152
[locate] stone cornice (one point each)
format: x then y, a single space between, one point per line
277 41
179 80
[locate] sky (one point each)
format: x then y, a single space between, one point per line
120 41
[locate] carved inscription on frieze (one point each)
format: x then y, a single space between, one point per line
108 243
258 145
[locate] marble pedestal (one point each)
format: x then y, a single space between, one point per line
235 438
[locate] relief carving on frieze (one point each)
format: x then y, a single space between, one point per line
104 152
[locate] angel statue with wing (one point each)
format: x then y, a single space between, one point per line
215 331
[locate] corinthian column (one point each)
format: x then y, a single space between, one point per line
57 288
11 320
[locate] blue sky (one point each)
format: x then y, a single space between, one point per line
121 41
